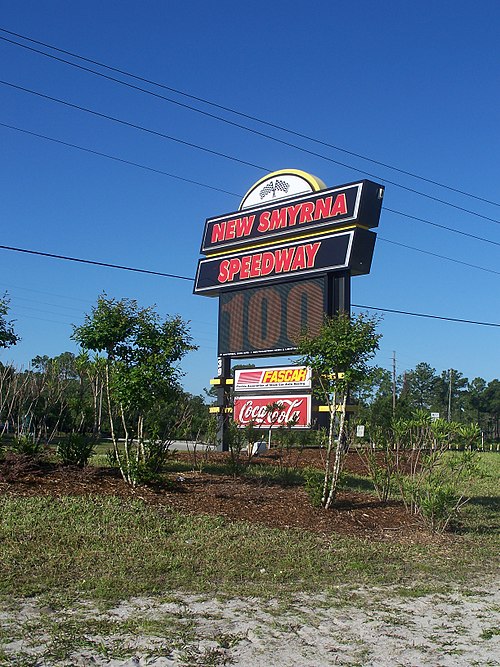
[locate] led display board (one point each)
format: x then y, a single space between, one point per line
270 319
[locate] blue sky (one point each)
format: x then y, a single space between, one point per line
413 85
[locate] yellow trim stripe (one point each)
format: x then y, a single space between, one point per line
274 242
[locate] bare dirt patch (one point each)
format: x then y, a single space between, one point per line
371 628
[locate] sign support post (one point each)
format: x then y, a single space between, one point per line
223 402
339 293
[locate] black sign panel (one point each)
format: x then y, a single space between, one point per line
306 215
270 320
344 250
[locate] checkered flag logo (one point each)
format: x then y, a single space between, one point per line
274 187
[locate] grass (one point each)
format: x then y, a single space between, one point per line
110 548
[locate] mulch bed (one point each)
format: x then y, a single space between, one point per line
249 499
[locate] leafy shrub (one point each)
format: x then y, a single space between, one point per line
438 490
75 449
27 444
380 465
314 482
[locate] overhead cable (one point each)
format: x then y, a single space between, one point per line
434 254
212 187
117 159
233 111
171 275
134 125
433 317
95 263
239 160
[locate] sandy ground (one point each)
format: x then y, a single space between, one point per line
369 628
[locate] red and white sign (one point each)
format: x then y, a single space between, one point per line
273 411
272 379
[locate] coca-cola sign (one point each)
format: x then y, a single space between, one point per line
273 411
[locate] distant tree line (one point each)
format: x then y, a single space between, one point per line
126 384
453 396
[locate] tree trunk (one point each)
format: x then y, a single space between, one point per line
339 456
333 406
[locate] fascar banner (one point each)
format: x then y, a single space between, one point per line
272 379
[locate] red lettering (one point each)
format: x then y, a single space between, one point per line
299 261
255 266
278 218
218 231
323 207
306 213
311 252
245 266
340 206
223 275
292 214
284 259
234 267
230 229
267 263
263 222
244 225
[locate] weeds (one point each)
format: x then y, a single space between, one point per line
75 449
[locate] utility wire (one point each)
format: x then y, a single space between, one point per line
90 261
118 159
134 125
245 162
433 254
435 224
434 317
227 109
211 187
170 275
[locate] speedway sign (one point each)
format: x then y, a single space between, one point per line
275 378
267 412
305 215
351 249
285 258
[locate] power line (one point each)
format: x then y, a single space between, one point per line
433 317
239 160
433 254
170 275
212 187
135 126
229 110
117 159
95 263
436 224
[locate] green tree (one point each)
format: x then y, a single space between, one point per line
339 357
419 386
449 394
7 335
475 399
492 398
141 369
